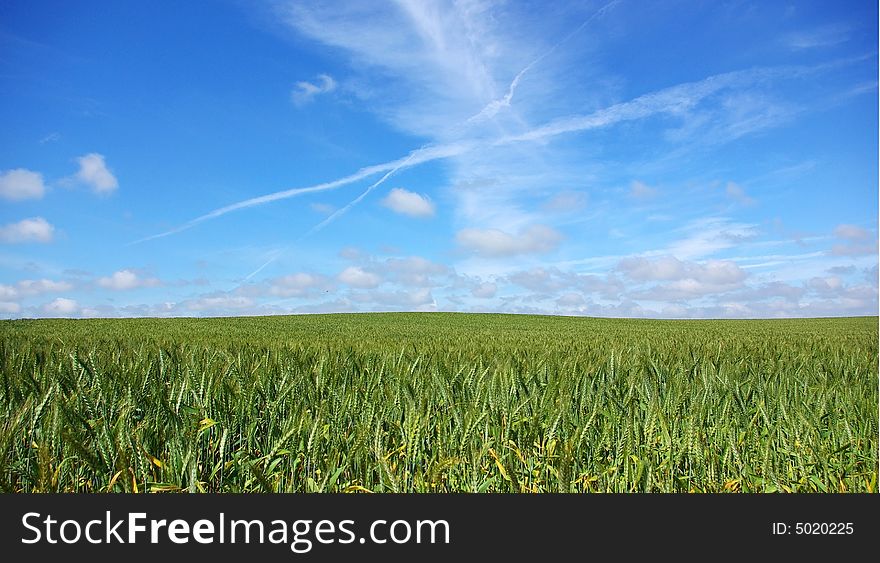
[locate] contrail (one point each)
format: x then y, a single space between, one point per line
336 214
487 112
266 263
418 156
493 107
358 199
672 99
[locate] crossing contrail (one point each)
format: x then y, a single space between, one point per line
674 99
334 216
487 112
416 157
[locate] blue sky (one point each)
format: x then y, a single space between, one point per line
624 159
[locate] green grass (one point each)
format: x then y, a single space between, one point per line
438 402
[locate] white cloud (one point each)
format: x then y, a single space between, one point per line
298 285
414 270
858 241
34 287
666 268
571 300
9 307
541 279
409 203
829 284
776 289
305 92
61 306
682 279
537 239
417 299
219 303
357 277
485 290
552 280
426 66
687 288
126 279
34 229
8 292
854 249
645 269
93 172
872 275
19 184
26 288
845 270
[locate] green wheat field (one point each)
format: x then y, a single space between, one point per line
438 402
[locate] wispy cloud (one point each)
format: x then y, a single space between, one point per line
675 100
851 232
670 100
513 170
322 208
580 165
305 92
641 191
738 194
491 109
440 55
825 36
566 202
51 138
704 237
